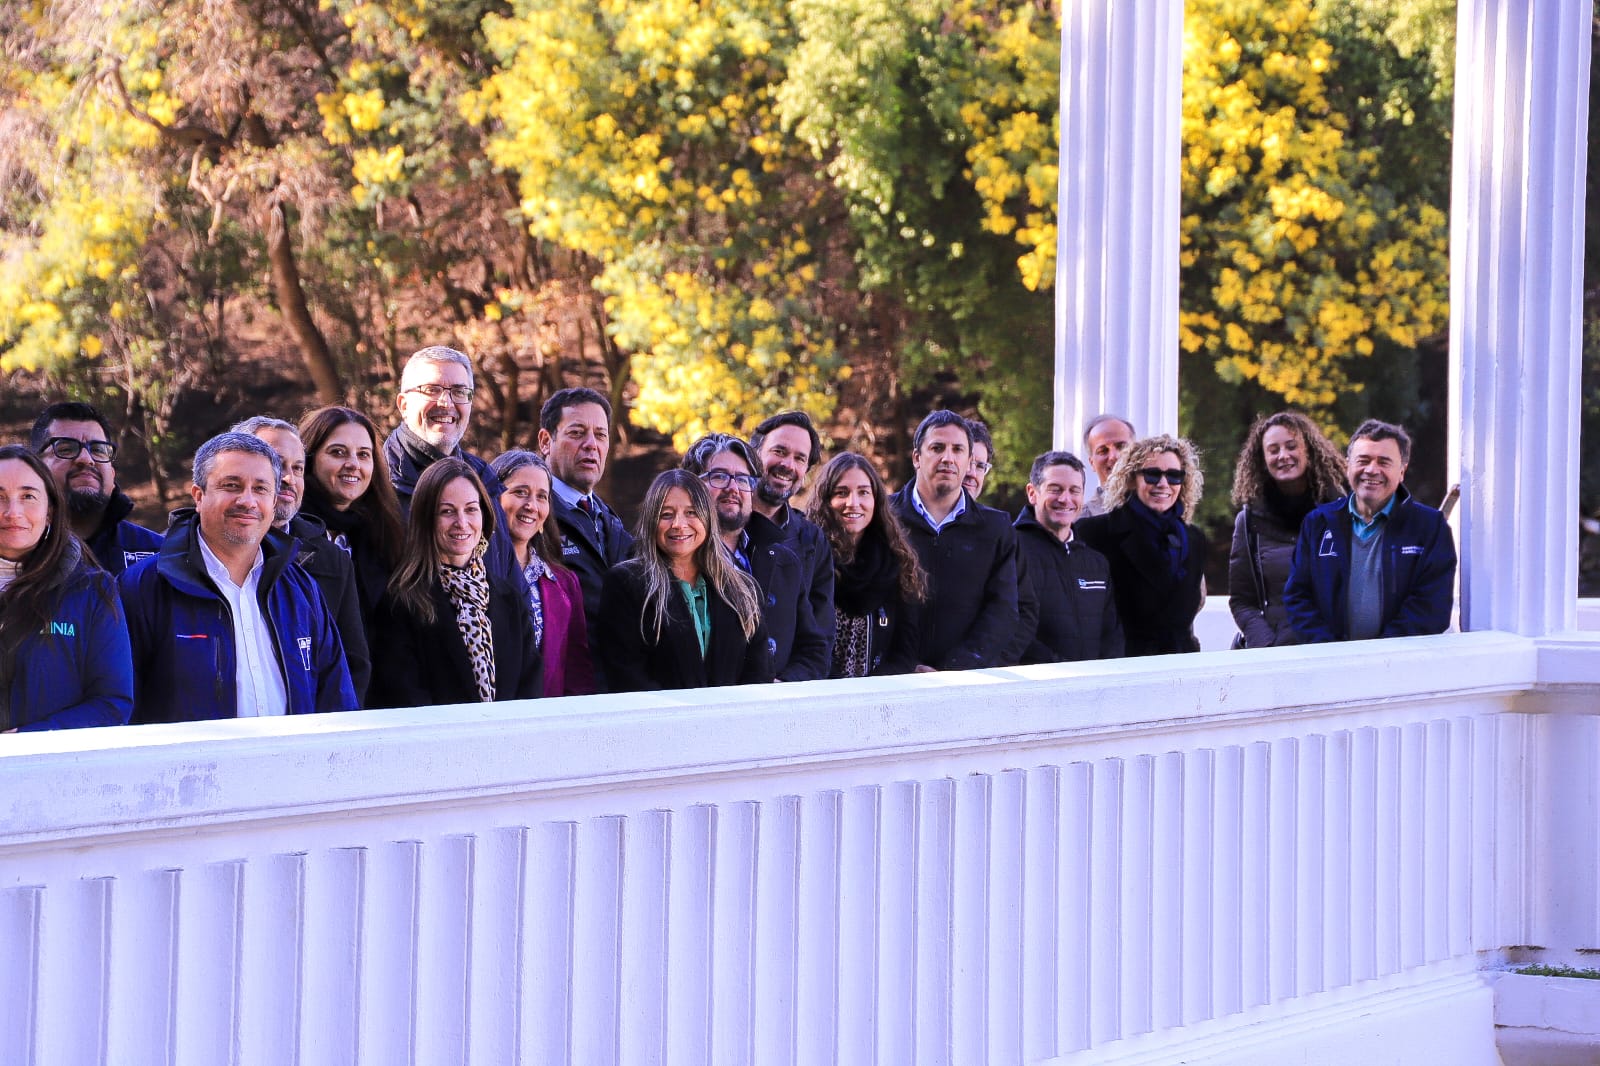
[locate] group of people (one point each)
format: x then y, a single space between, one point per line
326 567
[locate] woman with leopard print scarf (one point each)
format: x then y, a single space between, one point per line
444 634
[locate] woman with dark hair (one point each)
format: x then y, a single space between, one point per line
1286 468
348 488
878 584
680 613
1158 560
444 633
64 654
555 601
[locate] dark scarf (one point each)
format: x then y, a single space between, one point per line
869 580
420 452
1289 510
1166 531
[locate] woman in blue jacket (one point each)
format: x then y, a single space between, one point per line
64 655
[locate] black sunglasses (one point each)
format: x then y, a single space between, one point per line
69 448
1153 475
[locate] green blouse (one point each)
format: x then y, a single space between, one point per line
699 610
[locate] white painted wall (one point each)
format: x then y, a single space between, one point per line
1140 858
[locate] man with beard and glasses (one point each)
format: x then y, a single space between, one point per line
968 551
313 551
731 471
223 624
786 446
74 440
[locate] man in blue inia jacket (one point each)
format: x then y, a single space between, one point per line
1375 563
223 623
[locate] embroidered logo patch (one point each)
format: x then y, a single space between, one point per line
1410 549
304 644
568 547
61 629
1091 586
1325 549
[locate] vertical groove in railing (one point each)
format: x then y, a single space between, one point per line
817 991
897 923
20 910
1105 910
691 928
551 976
935 876
1491 794
642 945
1310 873
331 958
597 941
1283 887
1228 919
270 980
1042 911
1075 851
1196 955
1167 879
858 923
733 911
777 932
497 946
1134 956
1364 806
1564 849
1461 804
1337 842
1514 874
1004 988
1413 839
1386 858
1255 805
390 910
143 965
74 969
444 943
1436 880
209 898
969 1030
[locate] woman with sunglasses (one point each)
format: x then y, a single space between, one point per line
1286 468
348 488
1157 559
64 652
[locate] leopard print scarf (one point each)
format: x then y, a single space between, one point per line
468 589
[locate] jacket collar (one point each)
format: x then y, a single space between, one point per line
181 563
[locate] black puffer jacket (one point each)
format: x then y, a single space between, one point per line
1077 613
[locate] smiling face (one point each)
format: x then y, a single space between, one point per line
1375 470
785 455
1057 499
86 483
458 522
735 502
1106 444
343 465
978 470
293 487
1285 453
1161 496
680 530
853 502
576 451
526 502
441 421
24 509
237 502
941 462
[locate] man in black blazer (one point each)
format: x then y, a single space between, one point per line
575 439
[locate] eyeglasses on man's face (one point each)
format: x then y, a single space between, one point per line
721 479
461 394
1153 475
69 448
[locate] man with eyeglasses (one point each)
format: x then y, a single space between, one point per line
786 447
1076 614
74 440
982 458
731 471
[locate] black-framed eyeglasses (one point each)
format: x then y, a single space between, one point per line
721 479
457 393
69 448
1153 475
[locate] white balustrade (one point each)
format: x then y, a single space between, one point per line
1214 855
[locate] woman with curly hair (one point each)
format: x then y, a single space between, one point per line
680 613
878 584
348 489
1286 467
1157 559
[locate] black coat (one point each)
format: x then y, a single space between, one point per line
417 664
1258 570
336 579
636 662
1156 609
971 613
1076 618
800 651
583 554
810 544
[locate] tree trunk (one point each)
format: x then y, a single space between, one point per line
291 298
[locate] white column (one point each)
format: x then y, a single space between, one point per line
1516 267
1117 244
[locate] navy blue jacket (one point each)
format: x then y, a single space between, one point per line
1418 563
334 569
584 553
1076 616
119 543
810 545
800 651
78 671
971 613
184 657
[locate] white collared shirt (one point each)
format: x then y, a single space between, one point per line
258 679
922 509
